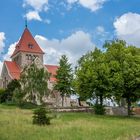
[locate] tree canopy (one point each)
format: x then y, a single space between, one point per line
114 72
64 78
34 83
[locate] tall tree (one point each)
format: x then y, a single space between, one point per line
64 78
92 76
34 83
124 62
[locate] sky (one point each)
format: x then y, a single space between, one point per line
71 27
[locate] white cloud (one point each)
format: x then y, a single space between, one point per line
100 30
2 39
1 64
73 46
10 51
33 15
127 27
38 5
93 5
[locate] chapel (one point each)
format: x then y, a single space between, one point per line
26 51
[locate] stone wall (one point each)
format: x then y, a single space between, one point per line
116 111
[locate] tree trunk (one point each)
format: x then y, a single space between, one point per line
101 100
62 100
129 106
97 101
79 101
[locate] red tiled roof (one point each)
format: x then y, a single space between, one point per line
52 69
27 43
13 69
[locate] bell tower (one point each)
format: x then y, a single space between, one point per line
27 49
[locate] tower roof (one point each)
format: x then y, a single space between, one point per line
27 43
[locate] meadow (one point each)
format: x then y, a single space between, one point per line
16 124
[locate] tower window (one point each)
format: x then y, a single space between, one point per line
30 45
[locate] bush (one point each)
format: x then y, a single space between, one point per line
40 117
99 109
3 95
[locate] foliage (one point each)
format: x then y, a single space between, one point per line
92 76
64 78
9 91
2 95
34 83
124 62
99 109
40 117
18 97
11 87
112 73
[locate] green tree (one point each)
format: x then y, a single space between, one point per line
92 76
64 78
9 91
14 84
2 95
124 62
34 83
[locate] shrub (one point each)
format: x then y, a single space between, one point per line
40 117
2 95
99 109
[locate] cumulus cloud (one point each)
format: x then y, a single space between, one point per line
2 45
127 27
2 39
73 46
100 30
33 15
93 5
10 51
37 6
1 64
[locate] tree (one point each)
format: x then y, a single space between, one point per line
2 95
34 83
124 62
92 76
64 78
9 91
14 84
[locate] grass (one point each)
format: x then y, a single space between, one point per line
16 124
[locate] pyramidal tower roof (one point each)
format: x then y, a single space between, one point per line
27 43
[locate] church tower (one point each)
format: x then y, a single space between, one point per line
26 50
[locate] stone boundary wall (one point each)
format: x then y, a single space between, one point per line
136 110
72 109
109 110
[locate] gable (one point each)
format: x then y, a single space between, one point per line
27 43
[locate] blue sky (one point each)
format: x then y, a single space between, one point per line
70 27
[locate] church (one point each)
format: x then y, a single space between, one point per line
26 51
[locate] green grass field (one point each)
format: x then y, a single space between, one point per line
16 124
